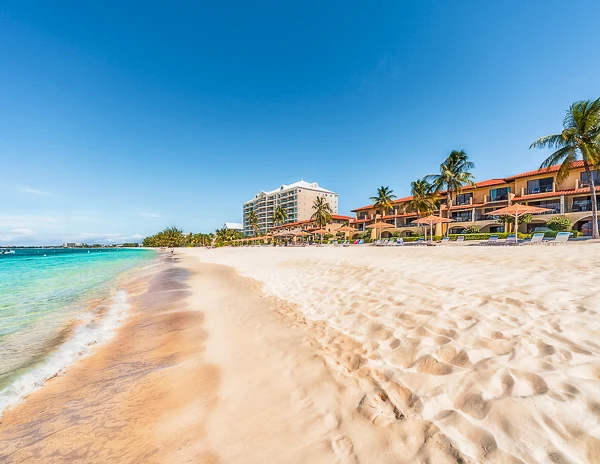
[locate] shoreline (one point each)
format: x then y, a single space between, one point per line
52 356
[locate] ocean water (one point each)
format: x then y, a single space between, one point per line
54 305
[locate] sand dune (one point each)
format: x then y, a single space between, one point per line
493 354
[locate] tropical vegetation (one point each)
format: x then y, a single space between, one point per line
322 213
423 201
279 215
384 200
580 138
252 220
559 223
454 175
169 237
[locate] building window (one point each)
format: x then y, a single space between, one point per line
584 178
464 198
553 205
499 194
463 216
540 185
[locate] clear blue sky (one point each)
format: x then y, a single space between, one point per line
120 118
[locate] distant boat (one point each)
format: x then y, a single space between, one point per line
7 252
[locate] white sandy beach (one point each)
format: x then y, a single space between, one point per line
492 352
337 355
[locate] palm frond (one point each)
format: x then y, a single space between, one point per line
549 141
557 157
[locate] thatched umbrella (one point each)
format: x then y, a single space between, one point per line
431 220
517 210
379 226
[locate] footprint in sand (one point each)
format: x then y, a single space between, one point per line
343 449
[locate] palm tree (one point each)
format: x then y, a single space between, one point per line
580 137
423 202
252 220
384 199
322 213
454 175
279 215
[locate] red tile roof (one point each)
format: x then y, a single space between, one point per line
484 183
338 217
576 164
558 193
396 201
505 180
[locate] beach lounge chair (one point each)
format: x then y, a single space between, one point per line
420 241
493 240
445 240
511 240
536 238
361 242
399 241
460 239
561 237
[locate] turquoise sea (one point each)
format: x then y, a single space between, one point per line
46 292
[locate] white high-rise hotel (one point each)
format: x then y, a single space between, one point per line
296 198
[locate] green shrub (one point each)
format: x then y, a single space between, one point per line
472 230
559 223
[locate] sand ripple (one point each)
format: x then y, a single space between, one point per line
492 353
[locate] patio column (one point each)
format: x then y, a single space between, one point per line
562 204
473 215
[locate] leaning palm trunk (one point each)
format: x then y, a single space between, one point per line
595 233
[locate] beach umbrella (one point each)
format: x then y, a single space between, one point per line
517 210
431 220
346 229
321 232
380 226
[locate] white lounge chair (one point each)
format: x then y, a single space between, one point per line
536 238
561 237
445 240
460 239
399 241
511 240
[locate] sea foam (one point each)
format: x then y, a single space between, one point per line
91 330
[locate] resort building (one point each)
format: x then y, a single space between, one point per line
570 198
234 226
297 199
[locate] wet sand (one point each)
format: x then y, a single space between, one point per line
331 355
